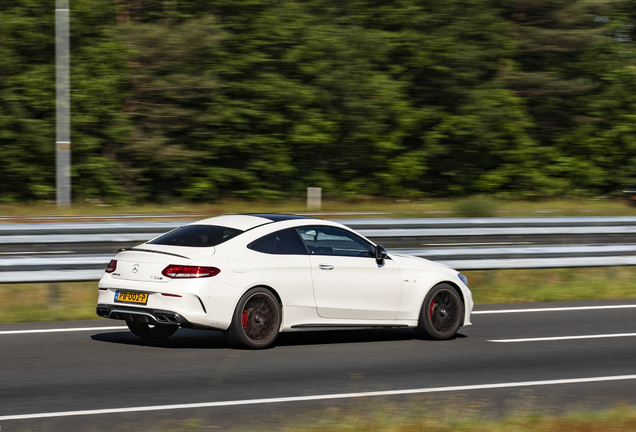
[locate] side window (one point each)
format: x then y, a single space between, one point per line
335 241
285 242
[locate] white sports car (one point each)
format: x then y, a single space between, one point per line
253 276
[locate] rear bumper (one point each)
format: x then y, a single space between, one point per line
201 303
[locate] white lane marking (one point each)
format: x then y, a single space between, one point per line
318 397
558 338
558 309
62 330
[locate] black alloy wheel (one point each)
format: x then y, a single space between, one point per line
151 331
256 320
441 313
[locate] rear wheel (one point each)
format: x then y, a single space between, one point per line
151 331
256 320
441 313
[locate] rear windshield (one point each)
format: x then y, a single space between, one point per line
197 236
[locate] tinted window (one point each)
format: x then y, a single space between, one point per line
284 242
335 241
197 236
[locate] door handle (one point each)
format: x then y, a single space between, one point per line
325 267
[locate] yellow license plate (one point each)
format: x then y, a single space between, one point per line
131 297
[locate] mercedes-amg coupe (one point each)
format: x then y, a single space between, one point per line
253 276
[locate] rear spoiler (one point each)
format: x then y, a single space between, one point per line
152 251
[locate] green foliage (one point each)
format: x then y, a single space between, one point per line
27 100
576 77
27 94
99 127
259 99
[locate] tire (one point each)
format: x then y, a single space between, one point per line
441 314
256 320
150 331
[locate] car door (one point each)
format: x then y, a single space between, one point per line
348 282
283 262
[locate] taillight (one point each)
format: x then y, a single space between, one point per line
183 272
112 266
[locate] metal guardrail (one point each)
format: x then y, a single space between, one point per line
57 252
493 222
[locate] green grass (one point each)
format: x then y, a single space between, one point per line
436 417
77 300
440 414
48 302
386 208
441 419
545 285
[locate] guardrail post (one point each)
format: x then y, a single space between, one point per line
54 296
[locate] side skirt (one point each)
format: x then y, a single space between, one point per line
301 327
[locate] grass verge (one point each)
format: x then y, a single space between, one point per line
545 285
48 302
388 208
391 418
77 300
419 415
433 417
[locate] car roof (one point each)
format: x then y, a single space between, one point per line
245 222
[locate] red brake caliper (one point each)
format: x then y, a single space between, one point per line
244 319
430 310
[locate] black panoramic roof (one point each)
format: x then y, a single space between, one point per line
278 217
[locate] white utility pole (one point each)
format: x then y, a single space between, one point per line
63 104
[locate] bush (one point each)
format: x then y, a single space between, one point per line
477 206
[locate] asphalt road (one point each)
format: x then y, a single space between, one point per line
82 379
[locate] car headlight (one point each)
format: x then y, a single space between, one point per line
463 278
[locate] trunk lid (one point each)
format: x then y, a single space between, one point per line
146 262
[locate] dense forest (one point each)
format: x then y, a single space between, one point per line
258 99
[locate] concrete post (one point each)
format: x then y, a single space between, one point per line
314 198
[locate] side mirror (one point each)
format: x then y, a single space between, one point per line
380 254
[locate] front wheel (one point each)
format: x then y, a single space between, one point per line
441 313
256 320
151 331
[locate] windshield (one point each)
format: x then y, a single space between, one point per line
197 236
